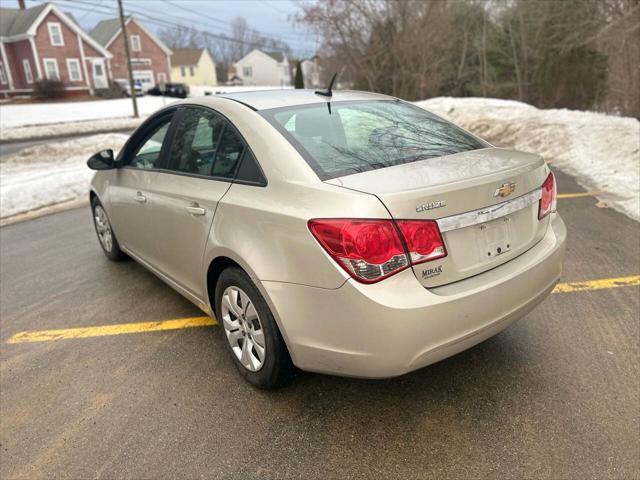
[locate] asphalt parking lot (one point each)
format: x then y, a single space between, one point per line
557 395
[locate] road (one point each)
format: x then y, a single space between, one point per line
557 395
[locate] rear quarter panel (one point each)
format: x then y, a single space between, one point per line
265 230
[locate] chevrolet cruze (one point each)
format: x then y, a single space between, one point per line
345 233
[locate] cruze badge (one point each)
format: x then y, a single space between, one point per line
505 189
430 206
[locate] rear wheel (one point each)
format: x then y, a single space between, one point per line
107 239
250 332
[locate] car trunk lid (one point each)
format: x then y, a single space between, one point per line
485 202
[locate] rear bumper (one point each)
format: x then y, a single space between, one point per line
396 326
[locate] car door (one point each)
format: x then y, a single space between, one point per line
131 191
200 167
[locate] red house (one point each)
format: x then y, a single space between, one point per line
150 58
44 42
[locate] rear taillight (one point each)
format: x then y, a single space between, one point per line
370 250
548 199
423 240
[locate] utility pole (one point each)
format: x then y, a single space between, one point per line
125 37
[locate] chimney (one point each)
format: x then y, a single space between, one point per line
21 4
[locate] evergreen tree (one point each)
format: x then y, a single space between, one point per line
299 80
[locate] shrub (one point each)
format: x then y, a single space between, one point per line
48 89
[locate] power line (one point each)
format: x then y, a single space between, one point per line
165 23
226 24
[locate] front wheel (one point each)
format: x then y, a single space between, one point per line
250 332
107 239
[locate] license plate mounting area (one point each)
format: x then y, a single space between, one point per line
494 237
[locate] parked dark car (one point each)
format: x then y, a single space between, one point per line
179 90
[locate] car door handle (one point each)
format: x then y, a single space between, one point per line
140 198
195 210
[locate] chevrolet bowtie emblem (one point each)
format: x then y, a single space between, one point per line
505 189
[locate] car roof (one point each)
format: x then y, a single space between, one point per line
266 99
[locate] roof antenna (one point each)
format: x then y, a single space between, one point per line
328 92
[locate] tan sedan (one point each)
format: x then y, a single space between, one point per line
351 234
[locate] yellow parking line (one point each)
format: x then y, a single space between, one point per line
180 323
105 330
597 284
580 194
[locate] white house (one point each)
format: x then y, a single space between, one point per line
264 68
311 72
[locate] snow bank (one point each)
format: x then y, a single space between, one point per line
42 120
24 114
48 174
601 151
70 128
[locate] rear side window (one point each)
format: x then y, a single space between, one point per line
196 142
354 137
250 171
229 152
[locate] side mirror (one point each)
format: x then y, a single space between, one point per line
102 160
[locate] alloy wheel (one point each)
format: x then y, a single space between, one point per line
243 328
103 228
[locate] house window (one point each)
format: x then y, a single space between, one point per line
162 78
28 75
191 71
182 71
55 34
247 71
3 76
135 43
73 67
51 68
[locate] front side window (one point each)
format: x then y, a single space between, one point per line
147 155
55 34
51 69
135 43
247 71
355 137
196 142
191 71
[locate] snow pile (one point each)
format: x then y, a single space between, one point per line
24 114
48 174
601 151
69 128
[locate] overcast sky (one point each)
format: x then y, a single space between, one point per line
270 17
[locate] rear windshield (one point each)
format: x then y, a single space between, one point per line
356 137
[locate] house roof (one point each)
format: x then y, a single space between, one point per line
186 56
105 30
277 56
14 21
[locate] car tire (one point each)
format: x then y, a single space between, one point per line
276 369
111 248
